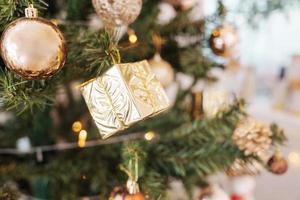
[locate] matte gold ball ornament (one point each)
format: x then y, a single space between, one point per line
162 70
33 47
115 13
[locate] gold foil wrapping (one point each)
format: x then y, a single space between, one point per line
125 94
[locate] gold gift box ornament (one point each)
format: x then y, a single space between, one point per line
125 94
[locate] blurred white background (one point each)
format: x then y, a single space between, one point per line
267 48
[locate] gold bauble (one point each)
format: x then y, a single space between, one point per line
223 40
118 12
277 164
162 70
34 48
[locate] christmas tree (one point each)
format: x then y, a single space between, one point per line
50 142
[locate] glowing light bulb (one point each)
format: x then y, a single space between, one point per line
150 136
82 138
294 158
77 126
132 36
133 39
82 135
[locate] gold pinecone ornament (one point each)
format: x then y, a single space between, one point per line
252 137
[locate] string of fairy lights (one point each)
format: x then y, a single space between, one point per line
82 142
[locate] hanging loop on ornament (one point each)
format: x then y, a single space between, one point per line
115 35
158 41
31 11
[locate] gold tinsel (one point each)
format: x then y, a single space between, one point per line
252 137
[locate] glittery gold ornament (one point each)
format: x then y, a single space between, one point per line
116 13
125 94
243 168
252 137
223 40
162 69
33 47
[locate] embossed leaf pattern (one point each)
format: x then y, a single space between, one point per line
100 107
120 97
145 85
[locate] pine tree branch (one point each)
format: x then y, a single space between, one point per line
11 9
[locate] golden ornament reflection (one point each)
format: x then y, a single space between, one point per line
33 48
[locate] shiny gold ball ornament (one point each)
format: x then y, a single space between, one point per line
252 137
115 13
33 47
223 40
277 164
162 70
